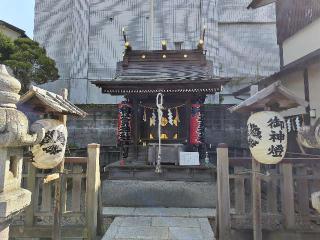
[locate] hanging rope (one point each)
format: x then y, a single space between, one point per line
164 108
160 113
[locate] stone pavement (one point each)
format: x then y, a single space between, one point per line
159 228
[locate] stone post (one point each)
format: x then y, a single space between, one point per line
13 137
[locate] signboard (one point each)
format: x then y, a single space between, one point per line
189 159
267 137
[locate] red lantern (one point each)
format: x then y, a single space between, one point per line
196 125
124 121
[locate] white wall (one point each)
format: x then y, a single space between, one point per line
9 33
314 86
302 43
295 83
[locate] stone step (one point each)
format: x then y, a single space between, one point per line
178 194
159 228
159 212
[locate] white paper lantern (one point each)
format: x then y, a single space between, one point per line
50 151
267 137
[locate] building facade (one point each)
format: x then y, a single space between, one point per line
298 26
11 31
85 37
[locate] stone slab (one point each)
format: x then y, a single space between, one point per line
135 221
175 222
118 211
202 212
111 232
206 229
143 232
166 212
183 233
159 228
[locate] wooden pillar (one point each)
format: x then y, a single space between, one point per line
223 212
239 192
303 192
46 197
136 129
256 200
76 188
31 186
256 189
93 188
59 184
188 116
281 55
288 195
307 120
57 213
272 201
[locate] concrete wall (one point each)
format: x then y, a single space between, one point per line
99 126
302 43
224 127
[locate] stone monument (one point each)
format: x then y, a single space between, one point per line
14 137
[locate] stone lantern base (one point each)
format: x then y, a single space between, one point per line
11 202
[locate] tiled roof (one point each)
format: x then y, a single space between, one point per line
160 66
51 102
273 94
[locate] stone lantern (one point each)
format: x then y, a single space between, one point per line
14 136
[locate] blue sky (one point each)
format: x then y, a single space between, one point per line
19 13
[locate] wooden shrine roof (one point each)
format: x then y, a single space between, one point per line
163 70
43 101
275 94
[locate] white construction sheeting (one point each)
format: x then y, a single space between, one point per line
85 38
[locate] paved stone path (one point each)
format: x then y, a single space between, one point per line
159 228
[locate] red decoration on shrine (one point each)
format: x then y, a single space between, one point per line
124 121
196 125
